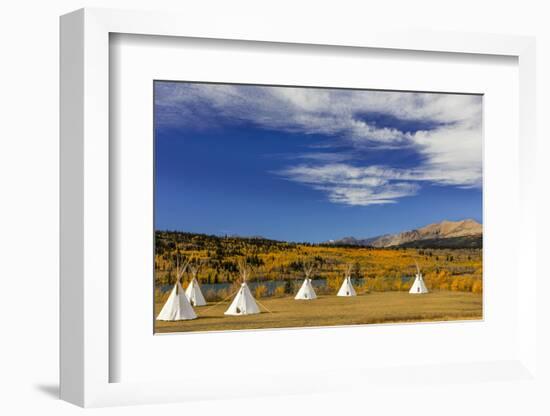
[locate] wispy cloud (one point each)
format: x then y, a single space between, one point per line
352 185
328 157
374 185
449 153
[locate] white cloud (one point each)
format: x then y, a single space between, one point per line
386 194
453 155
323 156
449 148
311 110
352 185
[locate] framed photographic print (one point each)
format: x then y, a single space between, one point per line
280 206
271 196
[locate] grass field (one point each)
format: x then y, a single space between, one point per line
376 307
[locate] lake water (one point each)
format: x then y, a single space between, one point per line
271 285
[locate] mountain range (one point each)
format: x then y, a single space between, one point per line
446 234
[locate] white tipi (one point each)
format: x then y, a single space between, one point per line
418 286
347 288
193 291
243 303
177 307
306 291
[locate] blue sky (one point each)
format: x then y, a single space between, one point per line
306 164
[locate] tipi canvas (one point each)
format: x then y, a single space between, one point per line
177 307
306 291
418 286
243 303
193 291
347 288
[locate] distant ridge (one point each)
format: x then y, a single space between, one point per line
446 234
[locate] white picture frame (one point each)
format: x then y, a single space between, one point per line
85 205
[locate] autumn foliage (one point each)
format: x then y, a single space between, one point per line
373 270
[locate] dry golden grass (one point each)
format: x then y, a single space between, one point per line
377 307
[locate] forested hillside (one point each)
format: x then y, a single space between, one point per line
375 269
